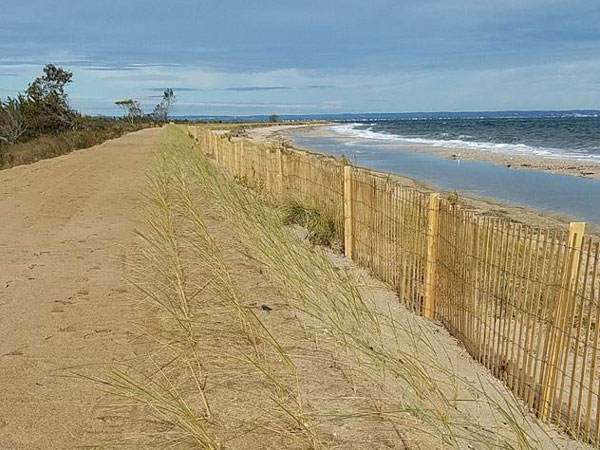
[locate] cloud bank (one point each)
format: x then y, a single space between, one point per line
235 57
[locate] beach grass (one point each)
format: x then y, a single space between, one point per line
327 361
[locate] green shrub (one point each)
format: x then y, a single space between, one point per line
40 123
321 231
93 131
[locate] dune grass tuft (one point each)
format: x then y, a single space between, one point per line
321 231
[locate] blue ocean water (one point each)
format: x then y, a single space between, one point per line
564 134
552 137
377 140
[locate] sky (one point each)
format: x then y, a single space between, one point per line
242 57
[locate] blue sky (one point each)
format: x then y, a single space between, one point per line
309 56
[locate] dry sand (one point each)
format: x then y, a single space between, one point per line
65 226
64 303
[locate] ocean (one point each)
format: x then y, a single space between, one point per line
551 137
552 134
379 143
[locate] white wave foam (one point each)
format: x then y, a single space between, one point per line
350 130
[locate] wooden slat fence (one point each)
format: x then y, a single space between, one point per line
522 299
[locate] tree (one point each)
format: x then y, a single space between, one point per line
48 109
161 111
12 119
131 108
273 118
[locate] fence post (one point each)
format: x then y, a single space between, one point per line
431 270
234 158
225 149
571 262
229 155
280 172
238 159
266 166
242 161
215 146
348 232
221 148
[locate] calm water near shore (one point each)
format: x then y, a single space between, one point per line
573 196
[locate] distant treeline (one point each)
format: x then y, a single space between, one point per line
40 123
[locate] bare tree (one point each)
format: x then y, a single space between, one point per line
131 108
12 119
161 111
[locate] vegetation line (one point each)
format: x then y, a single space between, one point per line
40 123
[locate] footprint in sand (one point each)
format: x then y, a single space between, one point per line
118 290
16 352
64 302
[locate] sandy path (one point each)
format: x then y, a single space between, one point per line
65 224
